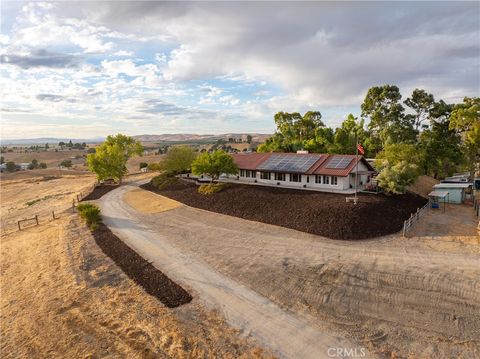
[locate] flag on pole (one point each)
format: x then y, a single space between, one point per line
360 149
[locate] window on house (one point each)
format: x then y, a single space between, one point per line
279 176
265 175
308 179
242 173
318 179
295 177
326 179
334 180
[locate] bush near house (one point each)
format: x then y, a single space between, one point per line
211 188
164 180
91 214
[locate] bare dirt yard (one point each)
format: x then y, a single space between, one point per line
63 298
416 297
325 214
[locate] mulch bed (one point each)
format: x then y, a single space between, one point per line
153 281
320 213
98 192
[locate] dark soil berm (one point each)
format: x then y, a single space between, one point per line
324 214
152 280
98 192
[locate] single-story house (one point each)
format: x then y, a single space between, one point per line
457 192
322 172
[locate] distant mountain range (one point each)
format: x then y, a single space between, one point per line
49 140
176 137
180 137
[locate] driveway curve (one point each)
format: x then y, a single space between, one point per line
286 334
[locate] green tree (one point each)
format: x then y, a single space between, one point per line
34 163
422 103
178 159
214 164
143 165
110 158
10 165
440 144
70 144
43 165
61 144
296 132
2 160
398 166
465 118
249 139
47 146
347 135
388 123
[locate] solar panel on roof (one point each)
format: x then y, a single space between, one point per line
339 162
288 163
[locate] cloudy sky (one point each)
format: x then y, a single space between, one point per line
95 68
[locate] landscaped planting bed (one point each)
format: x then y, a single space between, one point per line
320 213
98 192
152 280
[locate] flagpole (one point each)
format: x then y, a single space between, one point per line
356 167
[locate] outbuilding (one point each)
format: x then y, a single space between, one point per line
457 192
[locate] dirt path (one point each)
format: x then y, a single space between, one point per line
415 296
287 335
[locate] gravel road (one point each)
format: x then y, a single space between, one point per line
289 336
301 294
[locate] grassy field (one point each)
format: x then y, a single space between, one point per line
63 298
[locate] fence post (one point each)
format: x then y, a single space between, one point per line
18 222
73 205
404 228
36 219
53 214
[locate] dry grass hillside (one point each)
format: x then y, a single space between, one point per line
423 185
63 298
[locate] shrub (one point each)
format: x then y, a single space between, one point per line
91 214
11 166
211 188
66 163
43 165
143 165
164 180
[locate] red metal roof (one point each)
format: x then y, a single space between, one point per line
251 161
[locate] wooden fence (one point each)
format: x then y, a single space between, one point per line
415 217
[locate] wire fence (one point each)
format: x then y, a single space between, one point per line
42 215
415 217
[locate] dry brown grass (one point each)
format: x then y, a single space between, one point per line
423 185
63 298
143 201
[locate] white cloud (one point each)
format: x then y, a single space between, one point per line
123 53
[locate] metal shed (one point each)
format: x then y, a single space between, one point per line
456 191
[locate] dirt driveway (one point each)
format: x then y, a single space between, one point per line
390 295
289 336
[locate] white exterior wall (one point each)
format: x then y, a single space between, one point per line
342 182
